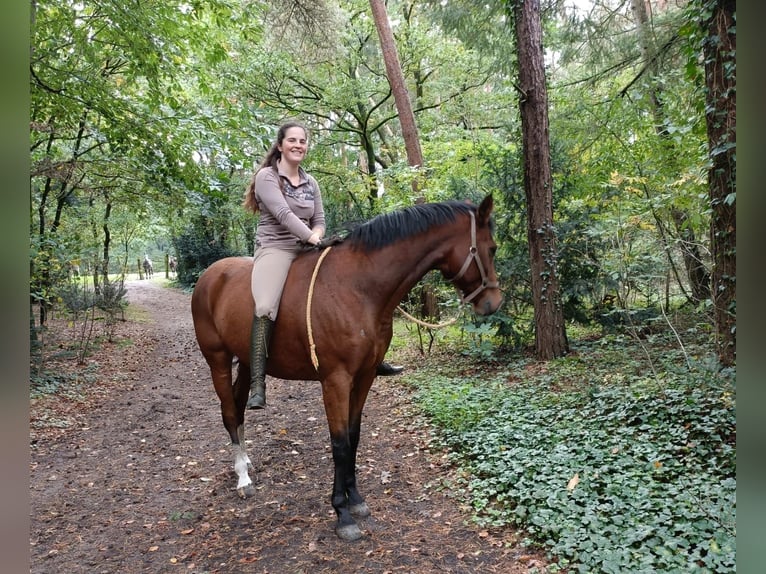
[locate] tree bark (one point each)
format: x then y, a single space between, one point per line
720 47
398 87
550 333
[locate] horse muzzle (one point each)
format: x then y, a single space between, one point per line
488 303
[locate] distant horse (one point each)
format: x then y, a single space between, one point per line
73 268
172 265
351 290
148 267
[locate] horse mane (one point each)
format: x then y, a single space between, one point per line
388 228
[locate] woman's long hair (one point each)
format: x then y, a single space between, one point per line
272 157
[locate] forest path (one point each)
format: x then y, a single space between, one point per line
142 481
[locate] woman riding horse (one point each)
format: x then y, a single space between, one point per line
148 267
291 218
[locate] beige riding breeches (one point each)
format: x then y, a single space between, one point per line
270 268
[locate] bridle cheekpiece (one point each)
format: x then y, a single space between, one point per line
473 255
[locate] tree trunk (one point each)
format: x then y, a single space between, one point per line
107 241
550 333
720 47
398 87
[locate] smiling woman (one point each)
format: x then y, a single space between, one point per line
292 220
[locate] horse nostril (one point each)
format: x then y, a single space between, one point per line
485 308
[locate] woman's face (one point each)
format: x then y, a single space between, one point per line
294 145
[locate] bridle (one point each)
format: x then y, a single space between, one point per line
473 255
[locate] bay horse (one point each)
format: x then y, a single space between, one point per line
351 290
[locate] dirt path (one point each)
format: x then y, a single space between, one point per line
141 480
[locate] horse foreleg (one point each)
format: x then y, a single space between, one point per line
335 394
346 527
357 505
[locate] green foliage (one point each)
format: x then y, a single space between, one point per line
197 249
608 469
146 123
63 384
110 299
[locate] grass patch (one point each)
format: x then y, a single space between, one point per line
618 458
137 314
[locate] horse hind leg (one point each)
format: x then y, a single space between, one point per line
242 462
233 415
245 488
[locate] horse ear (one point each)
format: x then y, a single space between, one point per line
485 210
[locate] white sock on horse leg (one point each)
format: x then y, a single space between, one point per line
241 461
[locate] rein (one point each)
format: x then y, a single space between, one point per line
473 256
423 323
312 345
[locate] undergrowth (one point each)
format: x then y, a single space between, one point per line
610 463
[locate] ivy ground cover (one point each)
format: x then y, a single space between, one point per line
611 461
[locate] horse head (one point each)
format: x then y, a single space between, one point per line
470 264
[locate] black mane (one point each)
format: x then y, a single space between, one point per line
383 230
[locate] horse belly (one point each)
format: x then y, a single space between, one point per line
343 330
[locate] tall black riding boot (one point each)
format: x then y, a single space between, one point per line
260 333
386 369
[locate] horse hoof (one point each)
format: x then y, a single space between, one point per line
348 532
246 491
360 510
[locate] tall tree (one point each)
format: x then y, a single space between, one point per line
398 87
718 20
486 28
550 333
109 115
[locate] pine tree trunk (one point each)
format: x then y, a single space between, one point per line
720 79
398 87
550 333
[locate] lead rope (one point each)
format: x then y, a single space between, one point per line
423 323
312 345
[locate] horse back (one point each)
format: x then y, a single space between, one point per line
222 311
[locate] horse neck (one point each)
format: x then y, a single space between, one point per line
401 265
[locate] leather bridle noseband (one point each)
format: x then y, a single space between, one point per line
473 255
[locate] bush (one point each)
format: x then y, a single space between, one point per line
111 301
196 252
